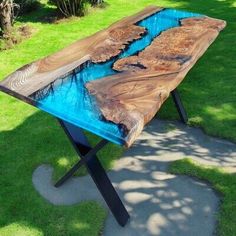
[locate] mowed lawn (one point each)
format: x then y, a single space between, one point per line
29 137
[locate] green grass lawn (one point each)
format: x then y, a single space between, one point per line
29 137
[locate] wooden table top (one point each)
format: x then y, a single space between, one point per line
112 83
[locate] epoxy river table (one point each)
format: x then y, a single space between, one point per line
113 82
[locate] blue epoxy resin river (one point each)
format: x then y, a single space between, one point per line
70 100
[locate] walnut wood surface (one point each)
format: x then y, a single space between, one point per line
99 47
133 97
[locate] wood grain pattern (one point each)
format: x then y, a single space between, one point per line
133 97
99 47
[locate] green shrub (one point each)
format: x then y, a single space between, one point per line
71 7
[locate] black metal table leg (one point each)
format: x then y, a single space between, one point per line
107 190
95 169
179 106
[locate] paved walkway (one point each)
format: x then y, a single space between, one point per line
159 203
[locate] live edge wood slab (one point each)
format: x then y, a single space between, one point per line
130 98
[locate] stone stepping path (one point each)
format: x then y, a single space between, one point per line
159 203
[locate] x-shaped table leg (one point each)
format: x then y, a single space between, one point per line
89 159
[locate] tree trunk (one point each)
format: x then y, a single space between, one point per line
6 16
96 2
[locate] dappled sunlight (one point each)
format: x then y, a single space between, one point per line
20 229
157 201
136 197
79 225
224 112
64 162
154 222
164 203
135 184
161 176
147 196
184 141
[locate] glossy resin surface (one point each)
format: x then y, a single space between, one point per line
68 99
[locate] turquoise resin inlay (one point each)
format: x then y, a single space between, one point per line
69 100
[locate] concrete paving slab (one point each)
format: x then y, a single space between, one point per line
159 203
170 141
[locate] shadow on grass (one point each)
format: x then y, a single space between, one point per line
49 13
45 13
39 139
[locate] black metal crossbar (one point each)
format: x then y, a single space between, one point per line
88 158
